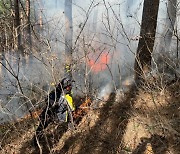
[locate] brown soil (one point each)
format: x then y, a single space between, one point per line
143 121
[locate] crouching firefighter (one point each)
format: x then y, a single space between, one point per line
59 107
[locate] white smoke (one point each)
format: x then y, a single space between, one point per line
103 95
105 92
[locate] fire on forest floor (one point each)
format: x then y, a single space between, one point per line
77 115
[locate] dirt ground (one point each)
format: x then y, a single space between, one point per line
142 121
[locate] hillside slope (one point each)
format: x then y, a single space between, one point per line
144 121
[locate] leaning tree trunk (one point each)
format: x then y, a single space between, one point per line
68 37
17 25
146 43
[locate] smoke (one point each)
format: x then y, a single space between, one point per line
114 31
105 92
111 31
103 95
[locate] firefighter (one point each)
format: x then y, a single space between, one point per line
59 106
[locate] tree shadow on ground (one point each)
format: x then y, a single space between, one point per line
168 116
49 139
158 143
68 143
172 116
106 136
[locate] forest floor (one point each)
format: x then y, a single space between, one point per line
142 121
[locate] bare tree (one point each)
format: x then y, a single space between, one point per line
169 26
17 24
6 25
28 8
146 43
68 36
170 21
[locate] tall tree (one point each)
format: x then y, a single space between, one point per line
28 10
5 25
170 21
169 26
146 43
68 36
17 24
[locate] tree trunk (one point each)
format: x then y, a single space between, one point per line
28 6
17 24
169 26
40 16
68 37
146 43
170 21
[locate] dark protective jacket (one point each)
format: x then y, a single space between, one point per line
65 106
58 106
60 103
53 97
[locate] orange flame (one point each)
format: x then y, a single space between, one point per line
99 64
83 108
